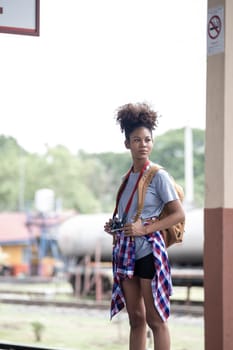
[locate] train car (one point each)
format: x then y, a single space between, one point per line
82 235
82 238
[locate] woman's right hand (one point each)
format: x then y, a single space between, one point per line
107 226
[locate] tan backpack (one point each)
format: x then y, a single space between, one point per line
175 233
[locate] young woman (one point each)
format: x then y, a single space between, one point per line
141 270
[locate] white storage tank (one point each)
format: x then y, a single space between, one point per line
45 200
82 234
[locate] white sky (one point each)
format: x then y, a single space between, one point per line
94 55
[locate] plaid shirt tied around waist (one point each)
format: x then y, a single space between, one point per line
123 267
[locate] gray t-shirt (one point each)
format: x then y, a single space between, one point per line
159 192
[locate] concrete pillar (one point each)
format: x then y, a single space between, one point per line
218 246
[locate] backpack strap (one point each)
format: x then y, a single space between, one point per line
142 187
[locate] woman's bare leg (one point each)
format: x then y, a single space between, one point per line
136 311
159 328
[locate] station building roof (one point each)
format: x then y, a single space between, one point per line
13 229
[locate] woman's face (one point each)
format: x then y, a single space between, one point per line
140 143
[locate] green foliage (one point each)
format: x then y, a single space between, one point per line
38 328
87 182
67 175
10 153
169 152
113 166
198 166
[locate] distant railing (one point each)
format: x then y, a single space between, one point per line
188 277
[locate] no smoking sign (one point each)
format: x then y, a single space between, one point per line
214 27
215 31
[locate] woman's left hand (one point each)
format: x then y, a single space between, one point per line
134 229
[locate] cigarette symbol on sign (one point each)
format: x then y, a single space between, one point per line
214 27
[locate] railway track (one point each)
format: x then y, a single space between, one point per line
52 296
181 307
81 303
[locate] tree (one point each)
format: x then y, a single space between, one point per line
11 156
66 175
169 152
87 182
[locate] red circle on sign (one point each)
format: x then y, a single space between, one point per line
214 27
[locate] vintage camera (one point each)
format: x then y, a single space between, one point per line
116 225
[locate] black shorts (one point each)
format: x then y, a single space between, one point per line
145 267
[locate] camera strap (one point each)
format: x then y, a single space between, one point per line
122 187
